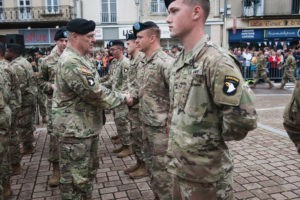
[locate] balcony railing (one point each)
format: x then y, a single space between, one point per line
36 14
158 7
109 17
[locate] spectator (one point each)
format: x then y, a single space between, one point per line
297 58
273 60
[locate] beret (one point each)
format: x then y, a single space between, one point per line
286 51
168 2
138 26
81 26
130 36
61 33
15 41
116 43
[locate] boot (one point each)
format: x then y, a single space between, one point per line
253 86
132 168
118 150
44 120
16 169
281 87
270 85
54 180
6 191
140 172
114 137
117 141
27 150
87 197
127 150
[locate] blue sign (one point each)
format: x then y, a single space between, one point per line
282 33
246 35
38 36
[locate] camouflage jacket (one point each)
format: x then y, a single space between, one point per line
261 63
47 73
5 112
23 69
79 99
132 77
209 104
120 76
153 90
108 78
291 115
12 81
290 64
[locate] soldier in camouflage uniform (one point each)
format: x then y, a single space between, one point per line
210 104
5 122
139 169
261 70
118 82
22 68
15 105
153 99
46 84
291 117
289 69
77 106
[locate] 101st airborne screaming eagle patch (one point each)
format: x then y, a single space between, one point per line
230 85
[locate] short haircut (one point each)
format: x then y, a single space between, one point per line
154 31
205 5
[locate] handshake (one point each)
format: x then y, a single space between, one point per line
128 99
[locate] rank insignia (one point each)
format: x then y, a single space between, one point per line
230 85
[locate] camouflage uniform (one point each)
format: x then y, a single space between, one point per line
153 95
77 107
45 80
261 70
291 116
5 122
133 115
15 105
108 77
289 70
24 72
41 97
210 104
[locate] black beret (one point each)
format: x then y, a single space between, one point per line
81 26
168 2
286 51
130 36
116 43
61 33
137 27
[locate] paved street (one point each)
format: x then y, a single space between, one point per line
266 163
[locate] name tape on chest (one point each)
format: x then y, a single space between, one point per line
230 85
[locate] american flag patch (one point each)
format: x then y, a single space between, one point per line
86 71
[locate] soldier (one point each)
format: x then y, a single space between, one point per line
153 99
46 85
77 106
118 82
261 70
5 122
139 169
210 104
22 68
289 69
291 117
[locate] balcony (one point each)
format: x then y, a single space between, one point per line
108 17
36 14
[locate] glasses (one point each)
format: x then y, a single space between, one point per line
112 49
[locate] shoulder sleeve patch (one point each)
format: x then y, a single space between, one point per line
230 85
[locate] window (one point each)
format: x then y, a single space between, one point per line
253 7
296 7
109 11
1 10
24 12
158 6
51 6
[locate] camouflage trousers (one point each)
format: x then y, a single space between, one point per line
136 133
78 162
41 101
288 76
53 145
155 143
122 124
25 126
184 189
261 74
14 144
4 166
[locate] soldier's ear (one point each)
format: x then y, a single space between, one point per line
197 12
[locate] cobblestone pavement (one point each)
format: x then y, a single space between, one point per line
266 163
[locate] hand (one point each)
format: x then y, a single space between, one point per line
129 99
53 87
35 74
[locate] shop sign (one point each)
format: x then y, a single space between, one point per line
98 33
123 31
278 22
282 33
246 35
40 36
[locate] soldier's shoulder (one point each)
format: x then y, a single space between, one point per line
163 58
